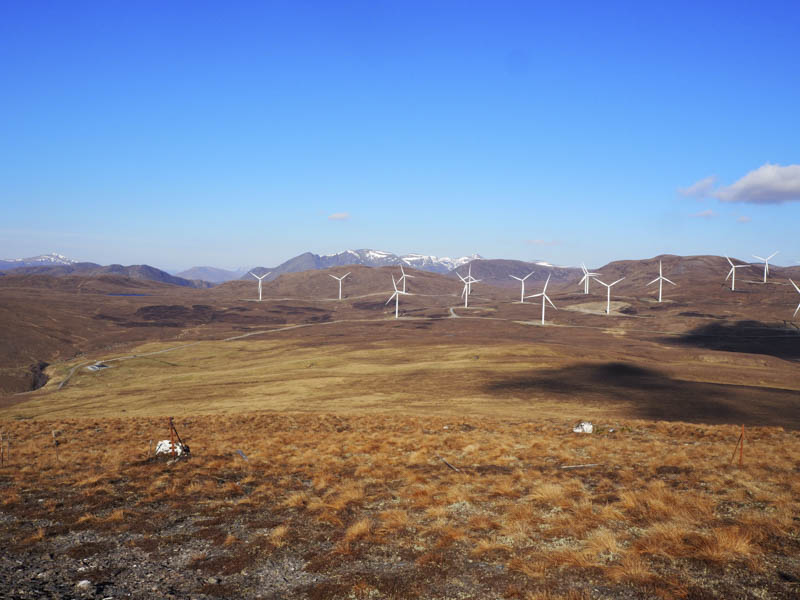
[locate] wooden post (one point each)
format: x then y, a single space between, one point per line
55 445
171 437
741 448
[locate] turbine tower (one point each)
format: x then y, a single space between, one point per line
766 263
660 279
798 306
259 282
586 277
545 298
403 277
608 298
339 279
732 274
522 281
468 281
396 297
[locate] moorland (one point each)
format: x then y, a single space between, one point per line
339 452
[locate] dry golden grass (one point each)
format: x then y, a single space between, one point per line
376 488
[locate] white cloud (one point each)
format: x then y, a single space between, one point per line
342 216
769 184
744 219
699 189
704 214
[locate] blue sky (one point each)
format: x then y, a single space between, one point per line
230 133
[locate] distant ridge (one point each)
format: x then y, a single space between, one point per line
366 257
138 272
210 274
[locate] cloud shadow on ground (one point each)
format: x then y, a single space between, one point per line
650 394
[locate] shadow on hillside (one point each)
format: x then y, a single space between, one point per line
752 337
655 396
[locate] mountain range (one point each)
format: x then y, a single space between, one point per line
57 265
365 257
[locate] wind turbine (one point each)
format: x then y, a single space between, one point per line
403 277
545 298
586 277
259 282
339 279
660 279
468 281
609 286
766 263
798 306
732 272
522 281
396 297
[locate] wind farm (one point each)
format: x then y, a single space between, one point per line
331 362
390 300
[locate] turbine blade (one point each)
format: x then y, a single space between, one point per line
773 254
545 284
729 273
668 281
551 302
513 277
334 276
654 280
795 311
535 295
391 298
795 286
617 281
760 258
528 275
729 260
346 274
583 278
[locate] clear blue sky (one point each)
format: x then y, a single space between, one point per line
229 133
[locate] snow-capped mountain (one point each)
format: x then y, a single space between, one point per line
43 260
366 257
437 264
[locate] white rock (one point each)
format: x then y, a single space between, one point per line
84 585
583 427
164 447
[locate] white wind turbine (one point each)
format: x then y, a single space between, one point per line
396 297
798 306
660 279
608 298
468 281
586 277
522 281
732 273
545 298
339 279
403 277
259 282
766 263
